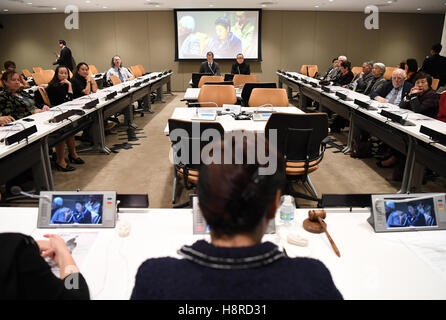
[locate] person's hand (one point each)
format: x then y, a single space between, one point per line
415 91
361 74
45 108
54 248
345 86
381 99
5 120
65 81
58 56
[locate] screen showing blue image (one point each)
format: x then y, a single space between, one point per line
76 209
410 213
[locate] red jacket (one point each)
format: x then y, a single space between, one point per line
442 110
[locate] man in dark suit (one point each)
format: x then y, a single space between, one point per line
64 58
210 66
435 65
393 91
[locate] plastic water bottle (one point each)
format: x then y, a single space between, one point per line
287 210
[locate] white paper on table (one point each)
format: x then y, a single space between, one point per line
78 244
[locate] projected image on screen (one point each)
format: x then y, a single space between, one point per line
225 33
76 209
419 213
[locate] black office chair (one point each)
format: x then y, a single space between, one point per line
186 167
301 138
248 87
229 77
196 78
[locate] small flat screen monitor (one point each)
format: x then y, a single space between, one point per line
62 209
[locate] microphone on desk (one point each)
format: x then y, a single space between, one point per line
16 190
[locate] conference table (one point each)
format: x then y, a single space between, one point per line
34 151
396 265
228 122
420 150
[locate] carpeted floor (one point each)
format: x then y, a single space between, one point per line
146 167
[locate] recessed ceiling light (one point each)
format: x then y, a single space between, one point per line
389 2
6 10
316 6
330 0
104 7
264 5
211 5
88 1
418 9
30 3
157 6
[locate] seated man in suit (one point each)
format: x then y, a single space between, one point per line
210 66
393 91
362 79
336 72
240 66
377 80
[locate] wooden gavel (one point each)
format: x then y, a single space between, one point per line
317 216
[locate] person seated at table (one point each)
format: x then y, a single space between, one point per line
238 201
83 83
210 66
11 66
240 66
393 91
118 70
15 104
362 79
336 72
80 214
334 64
346 75
411 68
25 275
59 91
378 78
422 98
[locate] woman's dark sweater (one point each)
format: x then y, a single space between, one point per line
257 272
58 94
24 274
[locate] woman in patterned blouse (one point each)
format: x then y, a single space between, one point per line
15 104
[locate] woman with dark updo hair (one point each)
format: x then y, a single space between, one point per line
237 201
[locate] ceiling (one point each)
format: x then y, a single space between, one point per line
45 6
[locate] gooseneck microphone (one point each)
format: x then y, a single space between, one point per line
16 190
